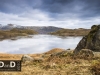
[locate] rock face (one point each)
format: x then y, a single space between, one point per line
90 41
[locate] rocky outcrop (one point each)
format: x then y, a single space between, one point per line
62 54
85 54
90 41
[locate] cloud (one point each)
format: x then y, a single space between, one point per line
35 15
33 21
60 13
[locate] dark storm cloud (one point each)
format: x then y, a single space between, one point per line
11 6
91 8
57 6
16 6
80 8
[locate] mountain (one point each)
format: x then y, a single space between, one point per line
7 27
39 29
44 29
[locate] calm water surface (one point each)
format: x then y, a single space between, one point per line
38 44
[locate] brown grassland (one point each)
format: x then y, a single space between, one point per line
56 62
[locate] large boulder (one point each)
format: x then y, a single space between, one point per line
90 41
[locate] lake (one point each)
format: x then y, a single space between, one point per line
38 44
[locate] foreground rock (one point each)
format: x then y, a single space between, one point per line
26 58
90 41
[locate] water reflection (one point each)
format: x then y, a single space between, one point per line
38 44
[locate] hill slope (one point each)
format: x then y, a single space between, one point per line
71 32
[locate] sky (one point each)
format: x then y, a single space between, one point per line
59 13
